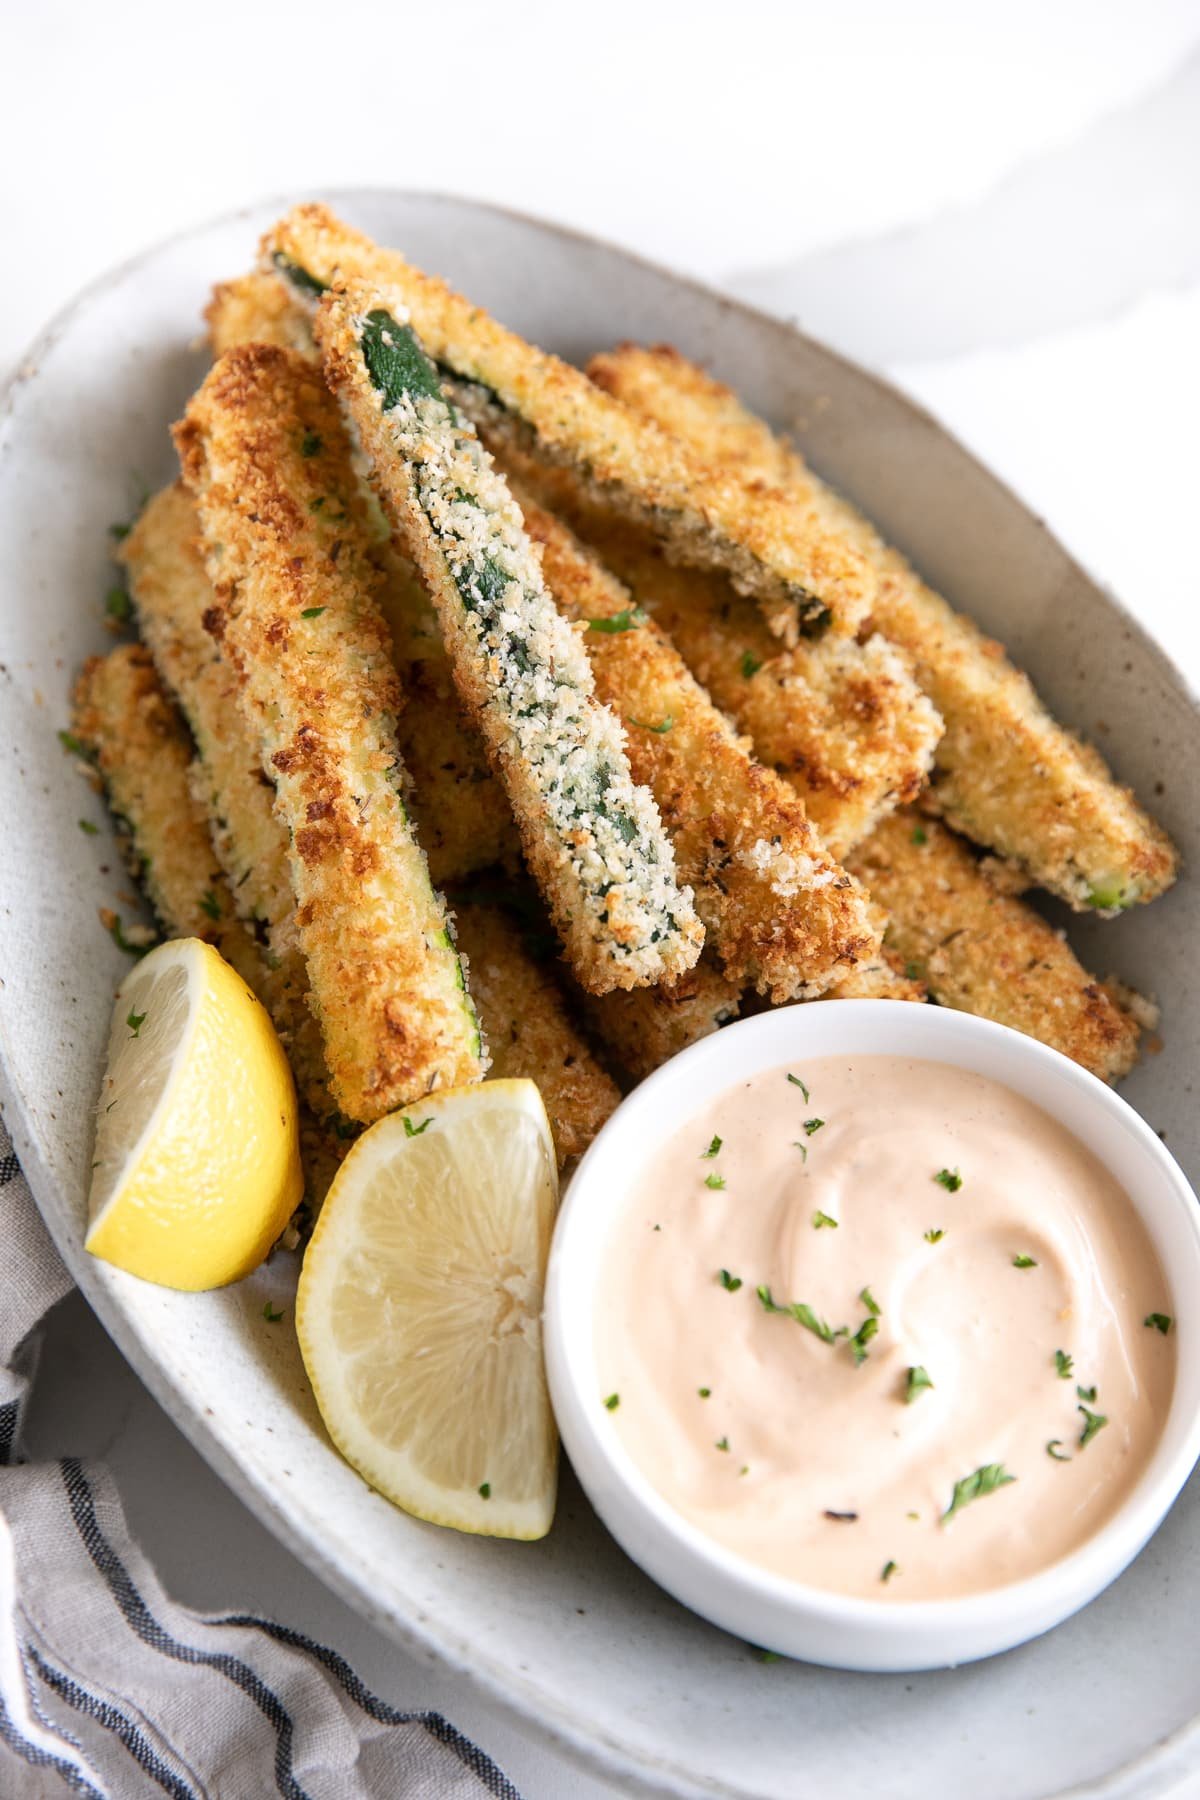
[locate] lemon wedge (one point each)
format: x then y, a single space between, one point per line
419 1309
197 1158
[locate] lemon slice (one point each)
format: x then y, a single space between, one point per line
419 1310
197 1158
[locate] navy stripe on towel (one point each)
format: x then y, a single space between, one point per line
114 1720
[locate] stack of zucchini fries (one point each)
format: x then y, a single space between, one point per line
498 718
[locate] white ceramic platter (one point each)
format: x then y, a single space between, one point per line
568 1633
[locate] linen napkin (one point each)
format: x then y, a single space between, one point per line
110 1690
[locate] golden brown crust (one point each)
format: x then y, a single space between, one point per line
287 549
1006 774
782 554
256 309
781 914
642 1029
982 951
529 1031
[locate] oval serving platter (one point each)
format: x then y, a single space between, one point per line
568 1633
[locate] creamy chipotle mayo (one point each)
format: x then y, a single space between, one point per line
885 1327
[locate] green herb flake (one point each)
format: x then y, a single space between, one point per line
485 1490
1087 1394
913 971
935 1236
704 1393
272 1314
919 835
1024 1262
612 1403
731 1283
714 1180
74 746
210 905
714 1149
915 1383
889 1569
118 605
722 1443
626 620
950 1179
869 1301
862 1337
802 1148
976 1486
803 1314
796 1082
135 1021
766 1656
812 1125
822 1221
310 445
1159 1322
119 532
1064 1365
751 664
312 612
411 1130
664 724
1092 1423
86 826
1054 1448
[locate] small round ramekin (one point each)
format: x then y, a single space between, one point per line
784 1615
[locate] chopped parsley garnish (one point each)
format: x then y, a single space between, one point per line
613 1401
704 1393
485 1490
935 1236
811 1125
112 924
889 1569
822 1219
87 826
950 1179
767 1656
714 1149
310 445
840 1518
272 1314
119 532
751 664
210 906
1086 1394
626 620
118 605
745 1469
869 1301
135 1021
1092 1423
722 1443
803 1315
312 612
1024 1262
1158 1322
714 1180
916 1381
73 745
919 835
411 1130
802 1148
1054 1448
862 1337
664 724
980 1482
731 1283
1064 1364
796 1082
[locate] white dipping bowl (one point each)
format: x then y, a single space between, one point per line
772 1611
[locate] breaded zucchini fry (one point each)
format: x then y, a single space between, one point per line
642 1029
287 549
140 746
781 915
529 1030
172 595
982 951
803 575
1006 774
844 723
592 838
257 309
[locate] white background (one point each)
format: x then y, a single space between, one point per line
998 204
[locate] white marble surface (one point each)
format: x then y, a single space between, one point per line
997 205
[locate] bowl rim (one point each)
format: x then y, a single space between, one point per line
748 1046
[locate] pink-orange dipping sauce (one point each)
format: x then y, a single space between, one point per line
884 1327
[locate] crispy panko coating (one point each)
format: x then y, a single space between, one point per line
804 576
287 549
256 309
592 838
981 950
843 722
1006 774
780 913
140 745
529 1030
172 594
640 1030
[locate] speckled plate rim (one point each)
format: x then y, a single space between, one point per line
1151 1773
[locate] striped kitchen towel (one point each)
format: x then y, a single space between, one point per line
109 1689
